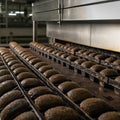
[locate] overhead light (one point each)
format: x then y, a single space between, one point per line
30 14
12 14
13 0
19 12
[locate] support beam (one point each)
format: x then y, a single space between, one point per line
35 27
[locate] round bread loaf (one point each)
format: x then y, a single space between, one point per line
7 86
61 113
25 75
17 65
30 83
67 86
20 70
110 116
95 107
79 61
64 55
44 68
5 77
38 91
71 58
9 97
100 57
30 58
14 108
26 116
97 68
48 101
34 61
87 64
49 73
57 79
12 62
9 59
40 64
117 79
108 73
77 95
110 59
4 72
116 62
92 54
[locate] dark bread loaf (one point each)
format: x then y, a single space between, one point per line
61 113
66 86
40 64
26 116
7 86
45 68
5 77
95 107
110 116
9 97
30 83
108 73
57 79
79 61
77 95
116 62
117 79
20 70
34 61
97 68
16 66
110 59
25 75
12 62
87 64
38 91
48 101
49 73
14 108
71 58
4 72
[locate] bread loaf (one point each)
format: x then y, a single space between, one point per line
49 73
110 59
66 86
16 66
64 55
100 57
97 68
38 91
44 68
14 108
5 77
87 64
30 58
2 67
40 64
25 75
95 107
12 62
116 62
77 95
9 59
57 79
79 61
61 113
108 73
9 97
110 116
48 101
4 72
92 54
117 79
20 70
71 58
30 83
26 116
7 86
34 61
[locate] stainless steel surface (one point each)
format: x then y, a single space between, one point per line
73 32
105 11
46 16
71 3
106 36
